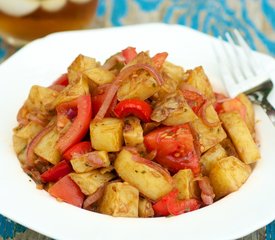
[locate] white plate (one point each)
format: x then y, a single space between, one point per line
40 62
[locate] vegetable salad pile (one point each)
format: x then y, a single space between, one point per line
137 136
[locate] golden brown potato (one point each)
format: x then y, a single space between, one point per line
173 110
80 64
209 158
106 134
23 135
209 136
141 87
150 181
132 132
71 92
185 183
228 175
47 148
145 208
250 116
198 79
29 131
120 200
172 75
82 163
229 147
22 156
99 75
39 99
89 182
241 137
19 144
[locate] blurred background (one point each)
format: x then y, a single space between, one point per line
255 19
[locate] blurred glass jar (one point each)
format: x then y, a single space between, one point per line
22 21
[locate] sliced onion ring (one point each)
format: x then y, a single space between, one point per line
113 60
94 160
91 199
127 71
189 87
207 193
30 149
202 112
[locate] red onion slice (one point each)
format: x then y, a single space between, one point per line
202 112
30 148
94 160
127 71
90 200
207 193
188 87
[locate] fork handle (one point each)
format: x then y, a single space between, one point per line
270 111
258 95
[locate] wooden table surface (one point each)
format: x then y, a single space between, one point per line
255 19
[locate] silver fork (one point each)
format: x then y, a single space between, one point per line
241 72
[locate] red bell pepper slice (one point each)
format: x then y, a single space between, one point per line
139 108
56 172
79 148
129 53
176 206
80 124
171 205
68 191
159 59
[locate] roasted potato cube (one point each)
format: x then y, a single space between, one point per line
228 175
132 132
106 134
241 137
22 156
250 116
229 147
198 79
29 131
145 208
89 182
150 181
71 92
172 75
209 158
120 200
103 170
99 75
141 85
82 163
173 110
22 135
209 136
185 183
47 149
19 144
41 97
79 65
